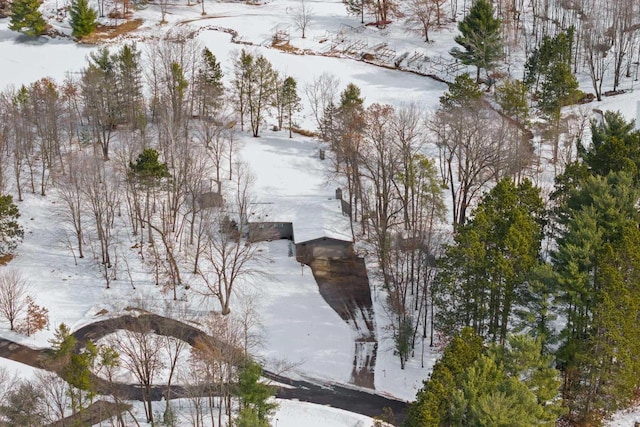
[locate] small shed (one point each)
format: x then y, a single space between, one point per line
267 231
209 200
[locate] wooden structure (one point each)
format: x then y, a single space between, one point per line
268 231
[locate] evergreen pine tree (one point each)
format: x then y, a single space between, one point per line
461 93
77 373
128 76
431 408
560 88
552 50
597 271
147 167
261 87
512 385
290 100
11 233
615 146
480 38
512 98
255 407
524 359
26 18
486 272
210 84
611 367
83 18
351 97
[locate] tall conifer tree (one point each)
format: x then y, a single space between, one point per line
480 38
483 276
26 18
83 18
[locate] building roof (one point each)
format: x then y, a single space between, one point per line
291 185
312 218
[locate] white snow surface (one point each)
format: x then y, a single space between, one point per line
291 183
292 187
290 413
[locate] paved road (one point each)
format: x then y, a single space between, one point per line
353 400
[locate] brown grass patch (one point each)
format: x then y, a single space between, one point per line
5 259
108 32
286 47
303 132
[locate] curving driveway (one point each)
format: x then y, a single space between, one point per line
338 396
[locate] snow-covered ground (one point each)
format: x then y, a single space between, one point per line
300 328
290 413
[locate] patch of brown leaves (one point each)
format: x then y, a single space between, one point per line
108 32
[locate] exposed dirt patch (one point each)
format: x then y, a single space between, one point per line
108 32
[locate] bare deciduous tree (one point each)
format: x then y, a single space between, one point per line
7 383
321 92
56 395
425 14
70 192
469 153
164 9
382 10
212 134
301 16
99 101
219 355
13 296
228 254
140 353
102 199
46 107
596 42
18 133
195 374
174 345
379 161
248 317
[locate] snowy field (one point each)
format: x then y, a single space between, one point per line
300 329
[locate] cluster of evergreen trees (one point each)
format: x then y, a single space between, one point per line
510 385
495 279
597 272
256 85
27 18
